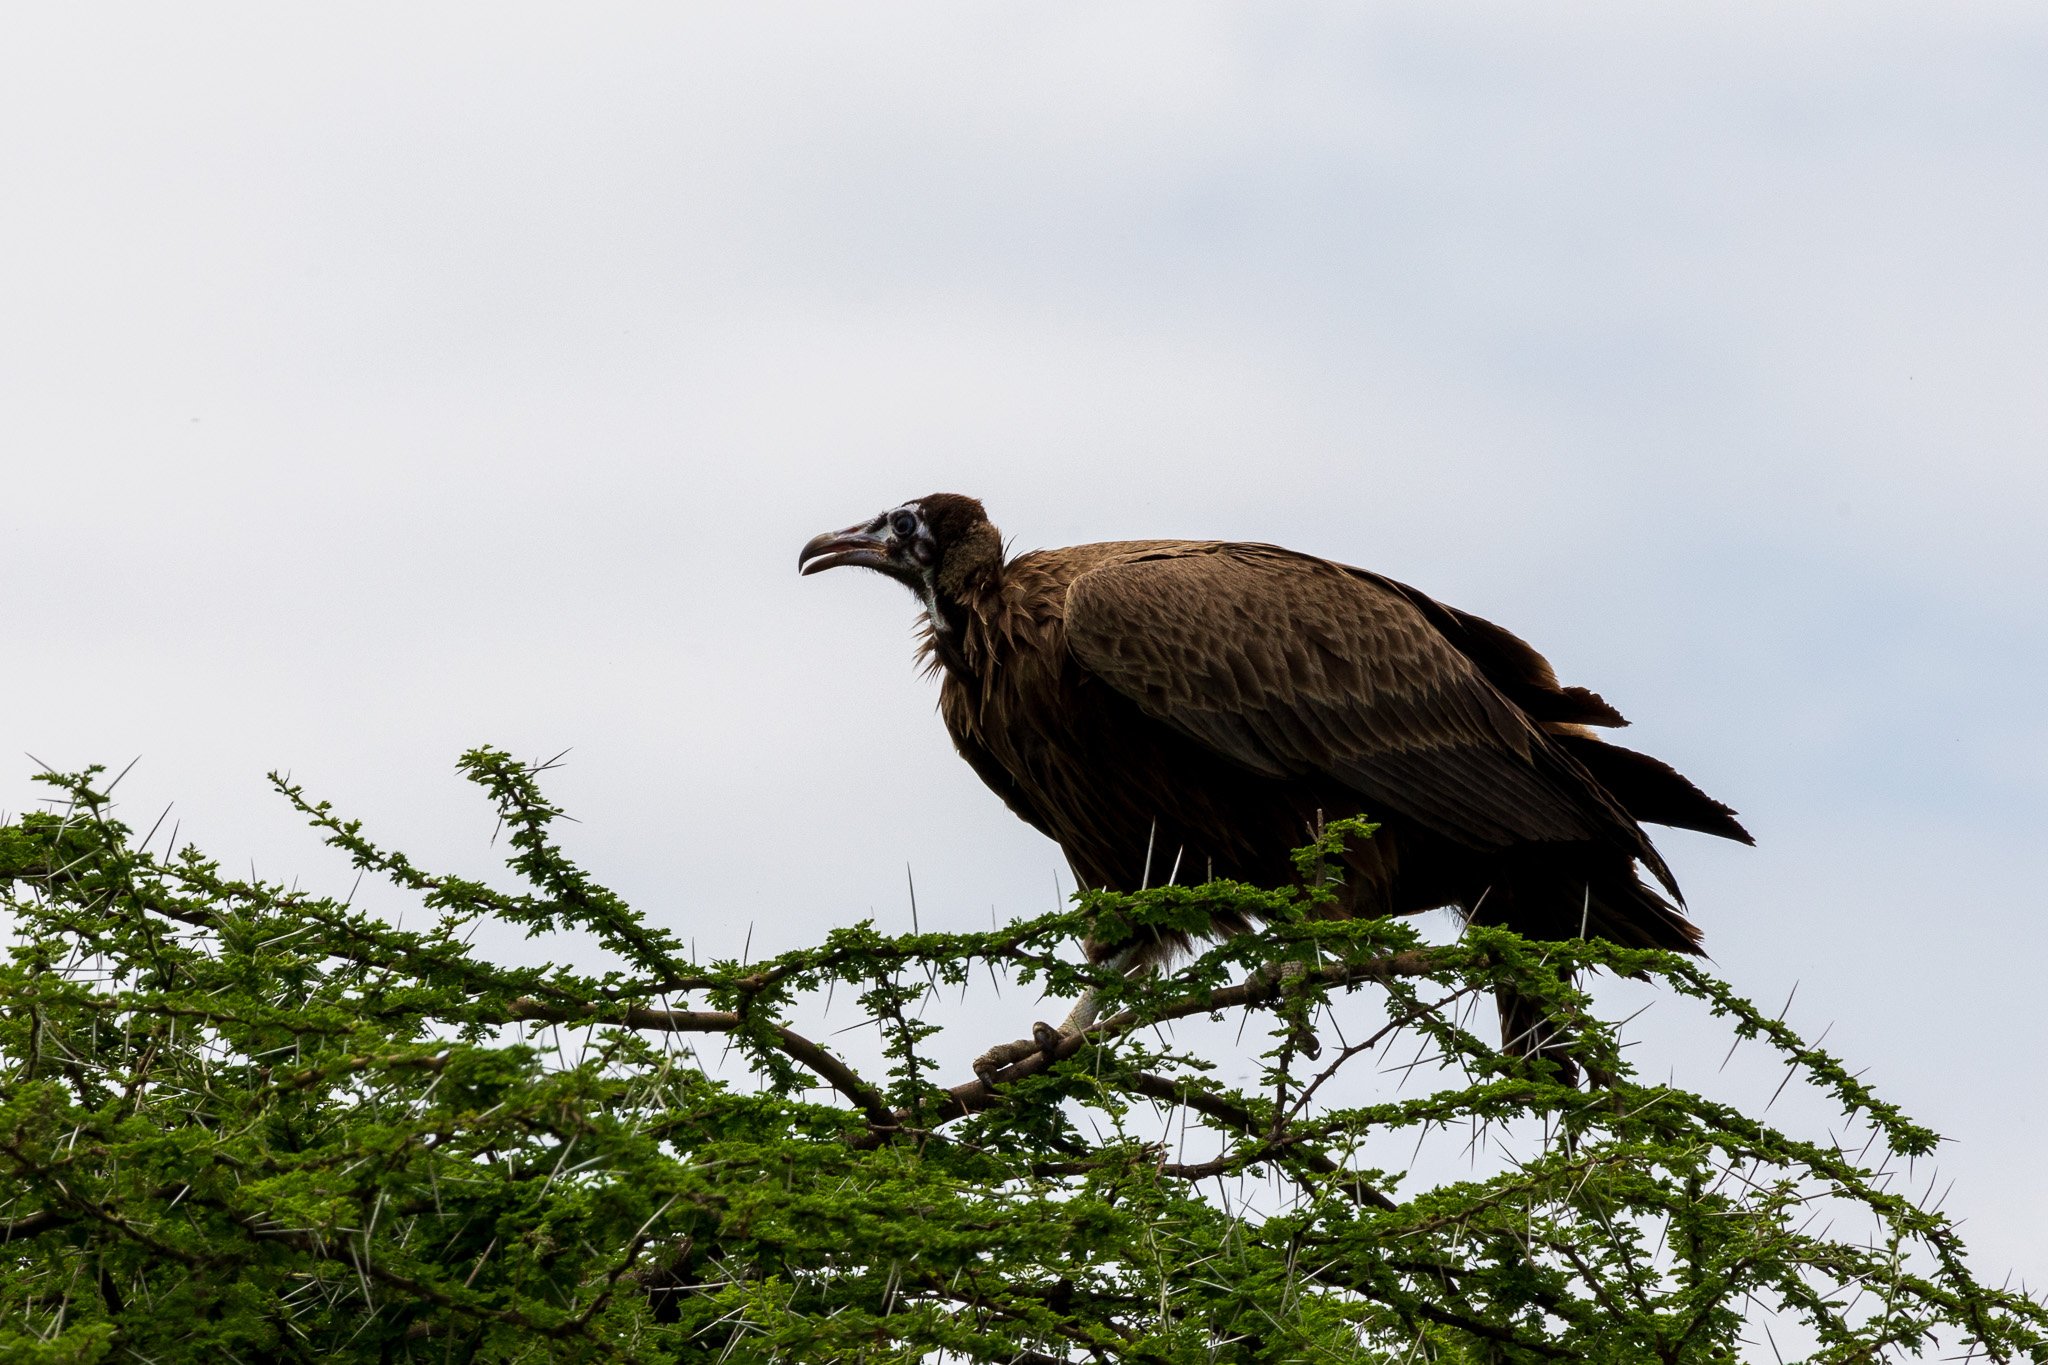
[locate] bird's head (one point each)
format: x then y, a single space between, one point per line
933 545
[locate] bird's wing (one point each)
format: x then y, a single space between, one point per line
958 712
1294 666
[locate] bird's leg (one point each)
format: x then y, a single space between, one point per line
1084 1014
1287 974
1044 1038
1526 1030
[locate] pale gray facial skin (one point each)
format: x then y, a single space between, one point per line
897 543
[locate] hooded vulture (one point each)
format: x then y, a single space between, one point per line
1192 708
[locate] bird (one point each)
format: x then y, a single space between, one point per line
1160 706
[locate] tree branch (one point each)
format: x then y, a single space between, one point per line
34 1223
972 1097
786 1040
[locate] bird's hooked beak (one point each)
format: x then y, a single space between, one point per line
865 544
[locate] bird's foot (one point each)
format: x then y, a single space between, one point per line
1044 1038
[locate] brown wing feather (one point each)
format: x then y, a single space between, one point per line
1291 665
998 779
1509 662
1651 789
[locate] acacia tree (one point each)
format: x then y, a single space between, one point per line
243 1122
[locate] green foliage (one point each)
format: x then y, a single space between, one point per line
240 1122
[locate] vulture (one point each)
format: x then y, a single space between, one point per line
1192 709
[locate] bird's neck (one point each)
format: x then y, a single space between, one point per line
957 610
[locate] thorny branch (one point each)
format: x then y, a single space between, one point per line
242 1120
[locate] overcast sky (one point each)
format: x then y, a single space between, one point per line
381 381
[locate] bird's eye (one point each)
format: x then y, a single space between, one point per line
903 523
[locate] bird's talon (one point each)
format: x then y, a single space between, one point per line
1002 1055
1044 1039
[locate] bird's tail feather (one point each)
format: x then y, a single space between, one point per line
1542 902
1549 894
1650 789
